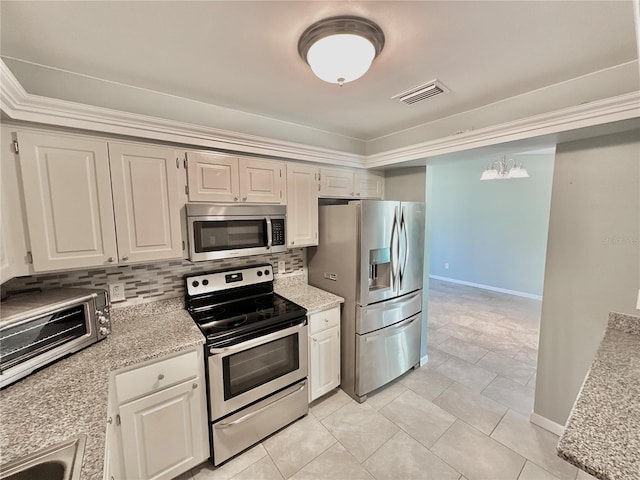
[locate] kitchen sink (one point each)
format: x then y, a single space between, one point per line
61 461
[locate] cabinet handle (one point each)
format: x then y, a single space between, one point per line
293 242
161 376
110 259
326 320
235 199
194 386
244 199
125 258
315 339
110 420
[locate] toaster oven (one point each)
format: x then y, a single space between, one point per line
38 328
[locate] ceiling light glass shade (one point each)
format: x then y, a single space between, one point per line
341 49
490 174
341 58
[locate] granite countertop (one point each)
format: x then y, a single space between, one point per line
70 396
602 436
313 299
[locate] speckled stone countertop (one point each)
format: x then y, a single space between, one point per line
295 288
69 397
602 436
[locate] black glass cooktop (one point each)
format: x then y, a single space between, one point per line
234 321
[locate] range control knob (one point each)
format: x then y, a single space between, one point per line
102 320
205 282
267 272
259 273
195 283
104 331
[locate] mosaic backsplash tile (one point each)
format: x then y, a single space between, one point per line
150 282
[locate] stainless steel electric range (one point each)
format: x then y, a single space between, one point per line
256 353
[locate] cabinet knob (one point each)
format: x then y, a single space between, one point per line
293 242
161 376
124 259
315 339
110 420
235 199
326 320
194 386
110 259
244 199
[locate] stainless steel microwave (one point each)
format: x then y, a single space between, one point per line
38 328
228 231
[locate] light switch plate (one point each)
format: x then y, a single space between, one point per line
116 292
281 266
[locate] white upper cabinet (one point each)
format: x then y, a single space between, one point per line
302 207
261 181
147 202
212 177
336 183
369 185
219 178
67 193
343 183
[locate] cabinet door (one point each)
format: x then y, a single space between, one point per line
212 177
336 183
162 433
302 205
369 185
146 201
261 181
324 362
67 193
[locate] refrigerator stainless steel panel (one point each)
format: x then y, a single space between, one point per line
411 251
378 250
380 315
387 353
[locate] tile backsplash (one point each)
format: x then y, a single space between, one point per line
155 281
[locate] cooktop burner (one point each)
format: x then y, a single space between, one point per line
235 305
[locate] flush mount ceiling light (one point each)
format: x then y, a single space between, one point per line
504 169
341 49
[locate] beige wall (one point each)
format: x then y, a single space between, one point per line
593 254
410 185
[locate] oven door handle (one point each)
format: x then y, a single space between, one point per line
269 232
258 341
282 395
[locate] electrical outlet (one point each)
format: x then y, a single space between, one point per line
116 292
281 266
446 266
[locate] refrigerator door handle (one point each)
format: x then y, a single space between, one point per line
405 239
395 254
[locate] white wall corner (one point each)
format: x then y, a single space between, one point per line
547 424
424 360
638 301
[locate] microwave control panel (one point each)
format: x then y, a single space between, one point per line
277 231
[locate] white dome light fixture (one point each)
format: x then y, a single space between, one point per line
341 49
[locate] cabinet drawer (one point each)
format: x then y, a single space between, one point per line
155 377
322 320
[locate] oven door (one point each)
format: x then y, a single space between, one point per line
249 371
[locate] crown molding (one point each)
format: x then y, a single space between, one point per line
613 109
18 104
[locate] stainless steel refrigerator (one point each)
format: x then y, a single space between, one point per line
371 253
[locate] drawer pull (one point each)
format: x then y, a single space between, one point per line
326 320
194 386
315 339
161 376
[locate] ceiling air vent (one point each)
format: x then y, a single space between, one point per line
421 92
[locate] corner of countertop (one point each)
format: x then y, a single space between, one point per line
624 322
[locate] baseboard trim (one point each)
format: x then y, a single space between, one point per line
547 424
487 287
424 360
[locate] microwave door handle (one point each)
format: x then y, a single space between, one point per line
269 232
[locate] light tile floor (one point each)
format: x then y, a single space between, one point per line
463 416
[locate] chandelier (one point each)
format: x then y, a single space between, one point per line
504 169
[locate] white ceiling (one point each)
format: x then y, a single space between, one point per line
243 55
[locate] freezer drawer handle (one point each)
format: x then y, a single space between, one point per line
386 331
246 417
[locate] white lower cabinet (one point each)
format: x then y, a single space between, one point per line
324 352
163 428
